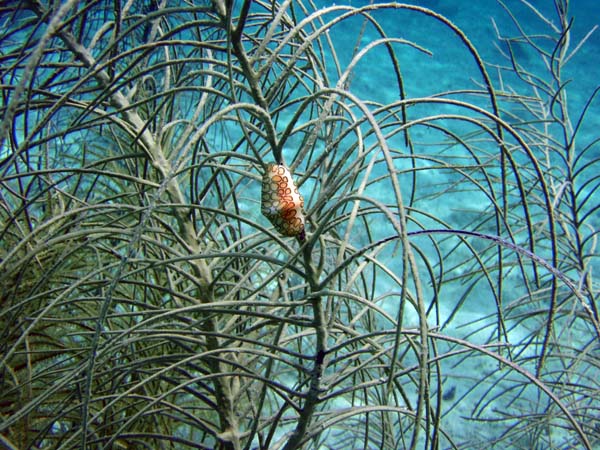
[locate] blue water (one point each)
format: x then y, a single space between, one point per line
442 63
476 19
451 67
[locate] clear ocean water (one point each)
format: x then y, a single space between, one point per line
439 62
477 18
451 68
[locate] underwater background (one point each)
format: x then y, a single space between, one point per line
481 20
442 294
448 68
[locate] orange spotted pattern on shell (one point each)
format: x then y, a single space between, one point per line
281 201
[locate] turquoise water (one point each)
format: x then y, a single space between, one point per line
455 166
477 19
451 67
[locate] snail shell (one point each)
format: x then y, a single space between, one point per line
281 201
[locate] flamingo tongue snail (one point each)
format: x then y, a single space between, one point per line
281 201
